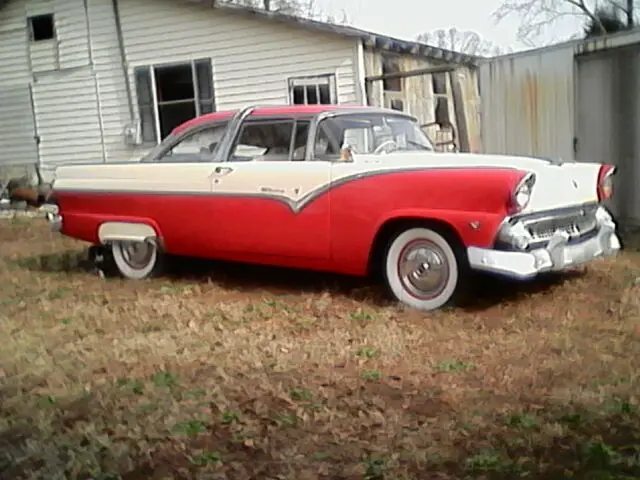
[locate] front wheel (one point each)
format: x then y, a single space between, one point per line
424 270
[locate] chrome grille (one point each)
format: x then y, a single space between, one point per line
576 225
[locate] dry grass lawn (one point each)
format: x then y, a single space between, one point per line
234 372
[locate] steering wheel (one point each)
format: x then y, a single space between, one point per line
380 147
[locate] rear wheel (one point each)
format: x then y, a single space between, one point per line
136 260
424 269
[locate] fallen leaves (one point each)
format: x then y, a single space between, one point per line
226 375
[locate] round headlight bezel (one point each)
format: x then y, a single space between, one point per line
521 195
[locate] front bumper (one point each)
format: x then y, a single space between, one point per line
557 255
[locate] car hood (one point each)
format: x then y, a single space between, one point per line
558 184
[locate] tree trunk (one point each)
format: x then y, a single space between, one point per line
630 13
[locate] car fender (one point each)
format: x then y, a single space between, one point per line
132 231
473 228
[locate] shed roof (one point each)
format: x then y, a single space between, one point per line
370 39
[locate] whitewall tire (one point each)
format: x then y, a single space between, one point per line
423 270
136 260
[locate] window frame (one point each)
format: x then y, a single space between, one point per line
328 79
148 72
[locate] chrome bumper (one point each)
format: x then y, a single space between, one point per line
53 217
556 256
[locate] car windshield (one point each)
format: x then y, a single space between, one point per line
373 133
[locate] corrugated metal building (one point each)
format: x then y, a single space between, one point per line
576 100
104 80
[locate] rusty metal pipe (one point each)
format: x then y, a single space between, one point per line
34 197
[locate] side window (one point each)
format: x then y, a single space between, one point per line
326 145
200 146
263 141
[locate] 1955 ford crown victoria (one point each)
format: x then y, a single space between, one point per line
352 190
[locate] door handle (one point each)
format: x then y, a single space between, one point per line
222 170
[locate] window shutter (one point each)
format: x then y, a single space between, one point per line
204 80
144 92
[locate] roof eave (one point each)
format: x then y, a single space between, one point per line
369 39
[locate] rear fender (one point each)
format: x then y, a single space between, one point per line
108 228
126 231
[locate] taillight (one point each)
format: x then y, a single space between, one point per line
522 194
605 182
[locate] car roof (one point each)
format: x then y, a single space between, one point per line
270 111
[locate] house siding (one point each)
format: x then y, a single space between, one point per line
65 96
67 117
111 83
50 80
252 59
17 127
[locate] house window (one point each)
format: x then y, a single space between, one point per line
41 27
313 90
440 84
169 95
397 104
391 65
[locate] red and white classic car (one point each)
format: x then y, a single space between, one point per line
352 190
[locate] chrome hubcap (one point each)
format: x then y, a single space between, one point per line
423 269
137 254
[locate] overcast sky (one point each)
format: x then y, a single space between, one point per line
408 18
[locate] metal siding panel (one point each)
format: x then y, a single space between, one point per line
107 66
634 180
14 62
12 16
527 103
71 26
607 122
594 99
62 103
17 141
44 56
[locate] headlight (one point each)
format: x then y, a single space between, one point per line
522 193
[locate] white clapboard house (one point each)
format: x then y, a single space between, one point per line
104 80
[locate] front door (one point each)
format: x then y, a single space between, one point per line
269 200
178 185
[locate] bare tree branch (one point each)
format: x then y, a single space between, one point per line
460 41
536 15
300 8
